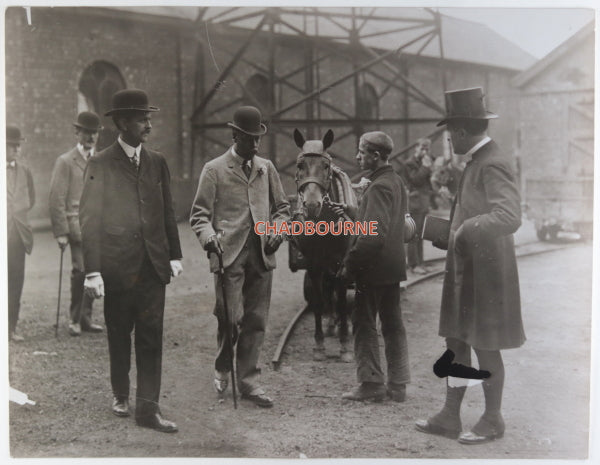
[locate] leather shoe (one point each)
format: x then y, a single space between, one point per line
425 426
261 400
396 392
366 391
74 329
92 328
474 438
157 422
120 407
16 337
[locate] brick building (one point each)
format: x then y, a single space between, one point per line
70 59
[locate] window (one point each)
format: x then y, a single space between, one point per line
258 92
97 84
368 104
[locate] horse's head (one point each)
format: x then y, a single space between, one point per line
313 173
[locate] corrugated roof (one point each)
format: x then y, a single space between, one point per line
564 48
465 41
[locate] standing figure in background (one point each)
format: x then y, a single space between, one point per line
20 198
65 191
416 172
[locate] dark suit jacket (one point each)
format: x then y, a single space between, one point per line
65 191
20 198
125 215
380 260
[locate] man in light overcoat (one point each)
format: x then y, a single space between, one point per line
480 298
65 192
235 191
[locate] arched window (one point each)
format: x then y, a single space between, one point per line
368 105
97 84
257 92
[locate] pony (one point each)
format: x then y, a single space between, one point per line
319 182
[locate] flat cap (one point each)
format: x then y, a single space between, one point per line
378 140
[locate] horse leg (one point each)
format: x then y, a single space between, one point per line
341 308
328 304
316 303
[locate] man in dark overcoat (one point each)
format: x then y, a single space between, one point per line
377 263
236 191
20 197
65 191
131 249
480 298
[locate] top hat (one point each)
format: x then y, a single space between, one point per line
130 100
247 119
13 135
88 120
465 104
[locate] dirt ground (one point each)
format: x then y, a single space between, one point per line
546 403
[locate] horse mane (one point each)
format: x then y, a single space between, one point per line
342 187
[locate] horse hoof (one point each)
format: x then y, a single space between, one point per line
346 357
319 354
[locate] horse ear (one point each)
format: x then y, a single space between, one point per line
299 138
327 139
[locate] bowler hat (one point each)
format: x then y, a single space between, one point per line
130 100
465 104
88 120
247 119
13 135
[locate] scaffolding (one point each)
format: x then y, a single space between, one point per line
360 36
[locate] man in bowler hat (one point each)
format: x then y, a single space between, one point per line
481 306
131 250
235 191
65 191
377 264
20 197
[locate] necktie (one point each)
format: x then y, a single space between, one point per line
246 168
135 160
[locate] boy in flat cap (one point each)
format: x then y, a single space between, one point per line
481 307
378 264
20 197
65 191
131 250
235 191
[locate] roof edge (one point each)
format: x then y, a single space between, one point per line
523 78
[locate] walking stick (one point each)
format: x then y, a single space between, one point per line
228 330
62 251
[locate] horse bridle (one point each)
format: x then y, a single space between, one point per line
322 181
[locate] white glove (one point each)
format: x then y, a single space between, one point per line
176 268
94 286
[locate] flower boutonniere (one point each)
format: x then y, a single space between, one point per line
261 170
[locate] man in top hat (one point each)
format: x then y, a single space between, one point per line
235 191
480 299
130 250
377 264
65 191
20 197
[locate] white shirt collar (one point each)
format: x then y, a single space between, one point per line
476 147
129 150
85 153
238 158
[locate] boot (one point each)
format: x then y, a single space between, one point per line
447 422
